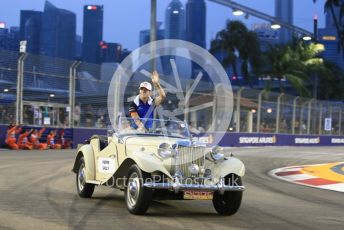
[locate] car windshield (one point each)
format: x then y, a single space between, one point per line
147 126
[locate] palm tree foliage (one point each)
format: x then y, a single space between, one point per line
331 83
293 63
238 43
329 7
296 62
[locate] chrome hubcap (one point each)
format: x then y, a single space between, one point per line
133 190
81 177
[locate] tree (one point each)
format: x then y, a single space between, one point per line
330 6
331 82
237 39
293 63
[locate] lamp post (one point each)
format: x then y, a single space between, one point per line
315 40
153 33
237 12
275 26
50 96
153 38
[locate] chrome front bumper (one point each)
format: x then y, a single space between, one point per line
176 186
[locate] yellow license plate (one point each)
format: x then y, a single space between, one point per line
197 195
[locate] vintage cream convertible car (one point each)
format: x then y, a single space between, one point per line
158 163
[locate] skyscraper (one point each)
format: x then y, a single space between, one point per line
266 35
284 12
3 36
13 38
58 33
25 15
145 34
329 38
9 38
175 20
329 22
110 52
30 29
78 47
92 33
195 22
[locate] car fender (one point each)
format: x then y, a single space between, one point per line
228 166
86 151
147 162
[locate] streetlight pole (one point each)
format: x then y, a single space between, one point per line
153 33
153 38
315 40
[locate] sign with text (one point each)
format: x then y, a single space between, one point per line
328 124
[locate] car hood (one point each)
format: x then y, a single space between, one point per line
151 141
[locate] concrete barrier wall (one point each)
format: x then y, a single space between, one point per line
258 139
76 135
79 135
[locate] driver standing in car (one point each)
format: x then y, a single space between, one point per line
142 108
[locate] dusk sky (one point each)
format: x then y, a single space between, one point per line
123 19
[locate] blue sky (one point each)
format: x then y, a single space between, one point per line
123 19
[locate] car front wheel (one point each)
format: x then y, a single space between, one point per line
229 202
137 197
84 189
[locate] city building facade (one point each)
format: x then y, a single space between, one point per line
145 35
284 12
78 47
25 15
329 38
9 37
30 30
175 20
58 32
196 22
92 33
266 35
110 52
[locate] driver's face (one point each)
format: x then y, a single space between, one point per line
145 93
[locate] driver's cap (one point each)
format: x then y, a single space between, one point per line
146 85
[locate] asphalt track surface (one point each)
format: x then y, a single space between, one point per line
37 191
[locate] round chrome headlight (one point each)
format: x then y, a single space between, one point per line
165 150
194 169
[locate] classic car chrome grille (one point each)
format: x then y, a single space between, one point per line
187 156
